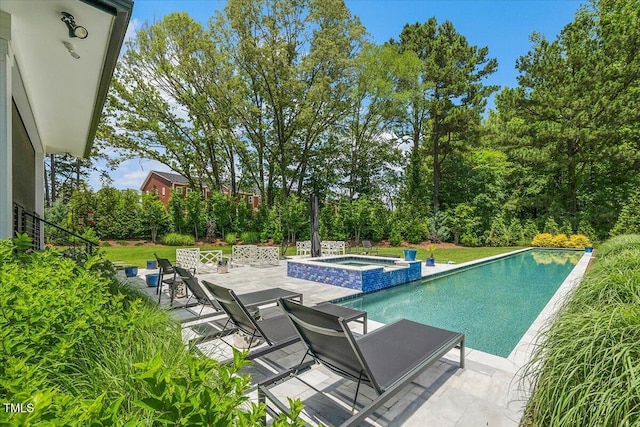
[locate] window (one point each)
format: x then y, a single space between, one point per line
164 190
251 200
179 190
188 190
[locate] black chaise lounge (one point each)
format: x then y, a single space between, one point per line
277 331
251 300
387 359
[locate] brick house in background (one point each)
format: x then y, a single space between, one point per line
164 183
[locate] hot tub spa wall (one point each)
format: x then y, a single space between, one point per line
368 280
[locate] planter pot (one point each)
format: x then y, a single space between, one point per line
410 254
131 271
152 265
152 280
431 262
241 341
223 268
588 249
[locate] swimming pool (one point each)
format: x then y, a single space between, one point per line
493 304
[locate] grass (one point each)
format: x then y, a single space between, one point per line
139 255
587 369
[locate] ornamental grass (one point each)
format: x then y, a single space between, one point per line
586 371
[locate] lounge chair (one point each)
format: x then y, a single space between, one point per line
277 332
368 247
387 359
166 269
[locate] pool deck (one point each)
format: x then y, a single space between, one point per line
488 392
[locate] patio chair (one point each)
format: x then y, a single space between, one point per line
172 280
368 247
387 359
277 332
201 297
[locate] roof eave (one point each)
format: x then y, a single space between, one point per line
122 12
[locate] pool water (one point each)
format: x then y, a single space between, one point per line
493 304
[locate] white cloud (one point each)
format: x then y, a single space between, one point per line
130 174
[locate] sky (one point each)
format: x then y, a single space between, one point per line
504 26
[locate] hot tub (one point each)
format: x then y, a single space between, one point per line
363 273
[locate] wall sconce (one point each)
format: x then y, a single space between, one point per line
74 30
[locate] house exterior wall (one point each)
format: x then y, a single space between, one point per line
165 187
162 185
24 165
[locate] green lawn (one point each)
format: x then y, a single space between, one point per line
139 255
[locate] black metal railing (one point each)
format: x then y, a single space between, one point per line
31 224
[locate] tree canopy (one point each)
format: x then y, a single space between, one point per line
289 98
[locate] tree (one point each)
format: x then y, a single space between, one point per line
370 151
449 96
629 218
177 210
195 219
574 117
155 218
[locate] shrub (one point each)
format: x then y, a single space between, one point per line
250 238
84 349
629 219
416 231
551 226
175 239
579 241
105 244
470 239
230 238
560 241
395 237
122 243
543 240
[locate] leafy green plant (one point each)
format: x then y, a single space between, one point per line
175 239
395 237
122 243
629 219
85 349
230 238
250 238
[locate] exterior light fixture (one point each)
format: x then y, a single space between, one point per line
74 30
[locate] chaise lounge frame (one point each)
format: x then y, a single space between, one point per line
387 359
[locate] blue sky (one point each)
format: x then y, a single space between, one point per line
504 26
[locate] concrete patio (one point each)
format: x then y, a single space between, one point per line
488 392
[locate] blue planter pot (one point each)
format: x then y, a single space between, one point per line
152 279
431 262
152 265
131 271
588 249
410 254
